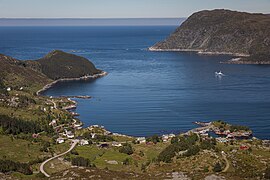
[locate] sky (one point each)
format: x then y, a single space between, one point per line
122 8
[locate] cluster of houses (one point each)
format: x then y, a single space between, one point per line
229 134
224 135
167 137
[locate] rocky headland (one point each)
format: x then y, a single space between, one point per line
214 32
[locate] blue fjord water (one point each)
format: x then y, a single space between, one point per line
148 93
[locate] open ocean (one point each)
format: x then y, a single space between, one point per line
148 93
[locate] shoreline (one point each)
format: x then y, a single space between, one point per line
241 61
199 51
86 77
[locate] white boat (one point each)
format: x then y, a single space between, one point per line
219 73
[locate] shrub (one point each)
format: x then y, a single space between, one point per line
193 150
126 149
80 161
217 167
155 139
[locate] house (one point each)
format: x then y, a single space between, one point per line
141 140
21 88
116 144
84 142
8 89
165 137
69 134
60 140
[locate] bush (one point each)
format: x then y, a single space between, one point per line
174 140
126 149
74 152
217 167
80 161
155 139
208 144
193 150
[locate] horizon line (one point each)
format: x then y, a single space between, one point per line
89 18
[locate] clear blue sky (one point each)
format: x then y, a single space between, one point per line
121 8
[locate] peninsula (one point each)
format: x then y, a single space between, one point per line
220 31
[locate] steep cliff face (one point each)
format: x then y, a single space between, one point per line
222 31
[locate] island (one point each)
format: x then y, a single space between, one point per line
213 32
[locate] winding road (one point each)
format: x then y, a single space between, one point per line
227 163
74 143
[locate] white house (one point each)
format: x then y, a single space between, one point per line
8 89
116 144
165 137
83 142
141 140
69 134
60 140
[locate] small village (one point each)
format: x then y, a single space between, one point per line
113 150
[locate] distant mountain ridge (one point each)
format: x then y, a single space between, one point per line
223 32
35 74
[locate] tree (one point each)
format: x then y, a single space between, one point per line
193 150
126 149
174 140
80 161
155 139
217 167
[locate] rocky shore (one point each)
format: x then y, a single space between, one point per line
95 76
199 51
242 61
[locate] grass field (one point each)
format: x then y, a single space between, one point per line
18 149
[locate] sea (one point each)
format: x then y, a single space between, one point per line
147 93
